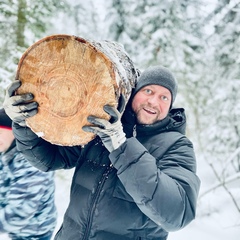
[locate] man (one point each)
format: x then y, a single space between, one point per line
136 179
27 209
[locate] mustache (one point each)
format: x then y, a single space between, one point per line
142 106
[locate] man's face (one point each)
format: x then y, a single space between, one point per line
6 138
151 104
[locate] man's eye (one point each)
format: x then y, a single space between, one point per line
148 91
164 98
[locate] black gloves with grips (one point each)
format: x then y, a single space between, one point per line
110 132
19 107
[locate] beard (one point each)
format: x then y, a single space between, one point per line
144 116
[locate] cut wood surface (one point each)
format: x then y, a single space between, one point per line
72 78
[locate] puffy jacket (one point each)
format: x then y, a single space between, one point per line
142 190
27 206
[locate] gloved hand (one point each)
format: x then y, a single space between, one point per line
18 107
110 132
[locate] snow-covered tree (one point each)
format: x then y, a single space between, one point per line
169 33
83 19
223 105
22 22
220 132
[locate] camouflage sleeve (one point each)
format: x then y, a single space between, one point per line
29 205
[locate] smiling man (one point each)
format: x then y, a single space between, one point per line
137 179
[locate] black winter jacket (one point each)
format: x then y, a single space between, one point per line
142 190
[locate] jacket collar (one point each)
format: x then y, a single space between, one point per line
175 121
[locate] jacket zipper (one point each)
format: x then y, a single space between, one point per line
95 198
134 131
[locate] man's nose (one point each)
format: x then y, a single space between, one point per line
153 100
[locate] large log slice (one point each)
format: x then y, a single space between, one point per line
72 78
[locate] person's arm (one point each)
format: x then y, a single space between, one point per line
27 193
167 191
42 154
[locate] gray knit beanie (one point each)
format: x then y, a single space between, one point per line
158 75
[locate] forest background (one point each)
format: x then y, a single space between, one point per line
199 41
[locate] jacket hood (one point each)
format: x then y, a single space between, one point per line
175 121
178 119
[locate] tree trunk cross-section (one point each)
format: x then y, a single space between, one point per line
72 78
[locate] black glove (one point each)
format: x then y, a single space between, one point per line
18 107
110 132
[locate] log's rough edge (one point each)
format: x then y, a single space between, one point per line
114 54
122 62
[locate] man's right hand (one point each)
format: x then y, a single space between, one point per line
19 107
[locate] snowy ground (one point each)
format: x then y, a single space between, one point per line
223 223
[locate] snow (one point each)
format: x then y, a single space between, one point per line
222 223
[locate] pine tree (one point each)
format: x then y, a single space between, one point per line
223 105
22 23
